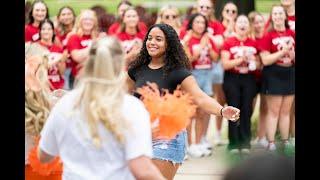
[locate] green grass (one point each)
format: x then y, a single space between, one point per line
262 6
110 5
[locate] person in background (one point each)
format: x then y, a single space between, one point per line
56 58
289 6
240 58
115 28
278 76
66 18
78 45
169 15
257 23
130 35
39 11
229 15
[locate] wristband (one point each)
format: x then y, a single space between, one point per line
221 111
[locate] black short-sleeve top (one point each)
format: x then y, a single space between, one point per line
145 74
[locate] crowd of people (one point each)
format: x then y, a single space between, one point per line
82 73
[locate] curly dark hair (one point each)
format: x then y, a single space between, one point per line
193 17
174 57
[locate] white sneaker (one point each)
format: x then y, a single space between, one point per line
271 146
217 139
194 151
245 151
203 148
204 142
263 142
234 151
186 157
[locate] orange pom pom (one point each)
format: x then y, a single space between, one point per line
44 169
174 111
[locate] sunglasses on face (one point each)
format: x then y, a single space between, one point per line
168 17
231 11
205 7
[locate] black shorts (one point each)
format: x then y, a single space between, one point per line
259 85
278 80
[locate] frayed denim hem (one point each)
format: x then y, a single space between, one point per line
168 160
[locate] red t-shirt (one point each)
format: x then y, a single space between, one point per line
128 40
238 49
76 42
273 42
55 78
62 38
204 61
292 22
115 26
214 28
31 33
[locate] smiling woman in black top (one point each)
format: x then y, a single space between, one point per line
163 61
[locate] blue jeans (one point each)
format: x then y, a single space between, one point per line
217 73
170 150
204 80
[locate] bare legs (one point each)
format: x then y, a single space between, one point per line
278 112
167 169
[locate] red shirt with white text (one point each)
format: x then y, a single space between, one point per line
238 49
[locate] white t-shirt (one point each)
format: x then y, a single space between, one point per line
66 134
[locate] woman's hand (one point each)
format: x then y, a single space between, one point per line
204 40
187 37
230 113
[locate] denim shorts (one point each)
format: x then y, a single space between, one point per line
203 78
67 74
170 150
217 73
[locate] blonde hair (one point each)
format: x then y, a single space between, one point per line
35 49
242 15
37 102
103 86
251 16
169 7
77 27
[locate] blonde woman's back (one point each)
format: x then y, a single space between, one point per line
67 135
